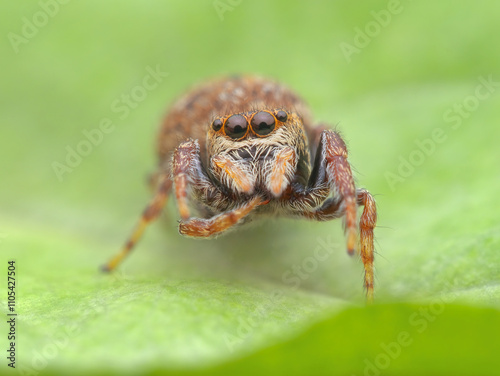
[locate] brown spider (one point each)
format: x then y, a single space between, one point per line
241 147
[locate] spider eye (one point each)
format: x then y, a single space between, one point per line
217 124
236 126
263 123
281 116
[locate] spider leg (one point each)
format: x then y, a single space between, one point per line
187 170
189 173
332 172
182 162
366 226
151 212
340 179
331 209
204 228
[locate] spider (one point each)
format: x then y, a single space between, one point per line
243 147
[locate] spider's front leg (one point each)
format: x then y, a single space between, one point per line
206 228
189 173
332 173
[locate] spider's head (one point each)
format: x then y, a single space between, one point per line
260 151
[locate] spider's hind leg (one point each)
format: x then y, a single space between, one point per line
150 213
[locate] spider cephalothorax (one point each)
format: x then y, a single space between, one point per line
241 147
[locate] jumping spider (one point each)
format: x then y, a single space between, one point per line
242 147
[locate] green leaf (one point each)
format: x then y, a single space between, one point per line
420 120
354 343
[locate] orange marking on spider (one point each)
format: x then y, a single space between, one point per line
284 161
239 176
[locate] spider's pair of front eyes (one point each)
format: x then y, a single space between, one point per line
262 123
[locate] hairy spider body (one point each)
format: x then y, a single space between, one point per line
239 148
191 117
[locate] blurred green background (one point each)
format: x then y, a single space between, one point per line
413 87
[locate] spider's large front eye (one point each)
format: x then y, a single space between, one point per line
236 126
263 123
